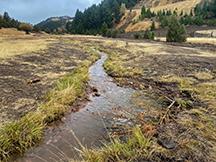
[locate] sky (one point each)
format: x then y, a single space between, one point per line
34 11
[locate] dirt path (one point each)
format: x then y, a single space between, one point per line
89 124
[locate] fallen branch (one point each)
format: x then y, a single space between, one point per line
167 112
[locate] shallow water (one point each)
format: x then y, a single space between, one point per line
88 126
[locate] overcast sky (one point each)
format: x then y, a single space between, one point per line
33 11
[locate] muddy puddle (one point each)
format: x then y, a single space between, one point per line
88 126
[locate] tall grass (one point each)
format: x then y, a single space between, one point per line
17 136
136 147
65 93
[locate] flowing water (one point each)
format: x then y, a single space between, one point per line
88 126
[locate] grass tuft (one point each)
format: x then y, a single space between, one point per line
137 146
65 93
17 136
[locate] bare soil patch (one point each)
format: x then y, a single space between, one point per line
25 79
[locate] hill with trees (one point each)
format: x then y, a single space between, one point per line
54 24
95 18
7 22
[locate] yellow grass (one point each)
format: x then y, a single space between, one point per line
9 48
142 25
204 75
201 40
185 6
11 32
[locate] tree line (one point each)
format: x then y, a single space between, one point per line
99 18
7 22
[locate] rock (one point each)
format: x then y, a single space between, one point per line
96 95
167 143
94 89
33 81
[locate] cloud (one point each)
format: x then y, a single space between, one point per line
34 11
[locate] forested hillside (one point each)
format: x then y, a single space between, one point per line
96 17
122 15
54 24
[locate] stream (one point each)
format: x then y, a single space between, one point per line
88 125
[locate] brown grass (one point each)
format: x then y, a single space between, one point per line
10 48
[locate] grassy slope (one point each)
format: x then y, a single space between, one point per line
16 137
133 24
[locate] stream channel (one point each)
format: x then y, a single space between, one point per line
88 125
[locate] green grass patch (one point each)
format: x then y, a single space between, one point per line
136 147
17 136
64 94
115 66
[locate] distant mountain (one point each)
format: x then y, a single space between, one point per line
54 24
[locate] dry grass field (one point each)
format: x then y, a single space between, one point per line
13 42
176 94
196 40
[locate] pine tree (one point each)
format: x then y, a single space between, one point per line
6 17
176 31
152 28
123 9
104 29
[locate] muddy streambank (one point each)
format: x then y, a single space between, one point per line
89 125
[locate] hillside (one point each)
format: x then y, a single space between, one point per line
130 22
54 24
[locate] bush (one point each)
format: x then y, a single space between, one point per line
145 35
211 22
176 31
152 28
112 33
137 36
26 27
149 35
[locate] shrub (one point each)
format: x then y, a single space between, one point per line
152 28
26 27
149 35
112 33
176 31
145 35
137 36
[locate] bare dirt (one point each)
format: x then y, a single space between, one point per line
25 79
